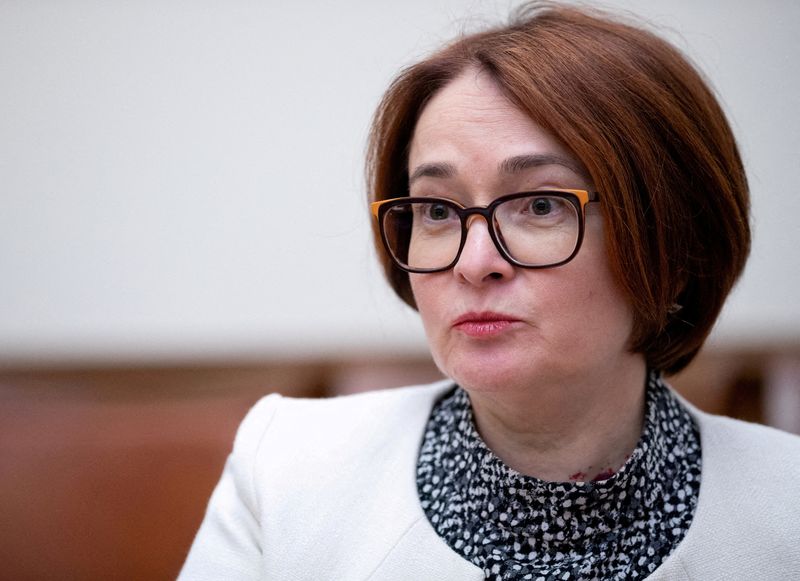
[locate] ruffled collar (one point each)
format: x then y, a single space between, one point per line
492 514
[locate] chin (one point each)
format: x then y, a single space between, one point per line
493 372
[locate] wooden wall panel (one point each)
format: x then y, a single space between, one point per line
105 472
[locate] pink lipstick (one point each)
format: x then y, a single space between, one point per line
483 324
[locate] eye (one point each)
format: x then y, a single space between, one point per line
541 206
437 212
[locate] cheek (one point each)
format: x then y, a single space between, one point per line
606 310
593 308
434 305
424 296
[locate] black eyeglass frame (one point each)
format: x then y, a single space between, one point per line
578 198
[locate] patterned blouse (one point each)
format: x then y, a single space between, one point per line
519 527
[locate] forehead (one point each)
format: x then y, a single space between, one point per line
471 121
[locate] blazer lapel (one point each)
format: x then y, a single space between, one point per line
422 555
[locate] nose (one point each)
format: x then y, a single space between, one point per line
480 260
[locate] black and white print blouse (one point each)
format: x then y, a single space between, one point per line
519 527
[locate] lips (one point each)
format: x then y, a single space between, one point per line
484 324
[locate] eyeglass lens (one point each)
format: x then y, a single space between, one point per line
535 230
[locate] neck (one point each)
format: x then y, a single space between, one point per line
584 430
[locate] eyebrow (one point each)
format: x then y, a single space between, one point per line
512 165
432 170
520 163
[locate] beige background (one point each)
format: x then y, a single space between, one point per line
182 180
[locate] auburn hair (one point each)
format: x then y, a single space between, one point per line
648 129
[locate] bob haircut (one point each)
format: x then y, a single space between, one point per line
649 131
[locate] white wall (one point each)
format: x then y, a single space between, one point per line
183 179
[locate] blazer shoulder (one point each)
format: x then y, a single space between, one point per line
323 421
750 443
368 411
751 467
747 508
371 399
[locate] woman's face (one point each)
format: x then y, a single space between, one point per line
493 326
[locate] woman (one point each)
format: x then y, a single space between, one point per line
563 201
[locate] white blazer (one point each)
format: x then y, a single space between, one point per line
326 490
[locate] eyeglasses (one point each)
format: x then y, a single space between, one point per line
539 229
